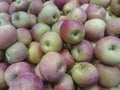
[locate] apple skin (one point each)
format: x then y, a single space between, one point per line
5 16
66 83
62 18
83 51
34 52
107 50
15 70
91 32
4 6
95 11
24 36
95 87
52 66
7 38
85 74
113 28
33 19
20 19
72 31
9 1
3 67
53 42
115 7
4 22
16 52
38 30
27 79
84 6
109 75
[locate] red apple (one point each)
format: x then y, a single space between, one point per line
4 6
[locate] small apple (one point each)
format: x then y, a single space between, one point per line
5 16
33 19
4 22
4 6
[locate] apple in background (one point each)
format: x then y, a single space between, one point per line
72 31
84 6
27 79
52 66
53 42
15 70
3 67
95 87
109 75
56 27
34 52
33 19
94 29
5 16
35 7
78 14
113 28
107 50
115 7
4 22
7 38
95 11
53 15
48 86
62 18
66 83
60 3
38 30
4 6
18 5
101 3
83 51
85 74
83 1
16 52
1 55
68 58
20 19
24 36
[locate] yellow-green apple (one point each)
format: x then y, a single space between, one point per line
4 6
18 5
27 81
52 66
68 58
20 19
101 3
24 35
62 18
53 42
53 15
83 51
107 50
109 75
83 1
34 52
84 6
66 83
38 30
95 11
5 16
115 7
15 70
72 31
7 38
4 22
3 67
35 6
85 74
95 29
16 52
33 19
94 87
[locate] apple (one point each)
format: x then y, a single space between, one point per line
52 66
5 16
7 38
85 74
83 1
72 31
20 19
94 87
27 79
62 18
53 42
9 1
53 15
95 29
33 19
4 22
34 52
16 52
66 83
84 6
78 14
83 51
15 70
95 11
24 35
109 75
4 6
107 50
3 67
38 30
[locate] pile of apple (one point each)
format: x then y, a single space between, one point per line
59 44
